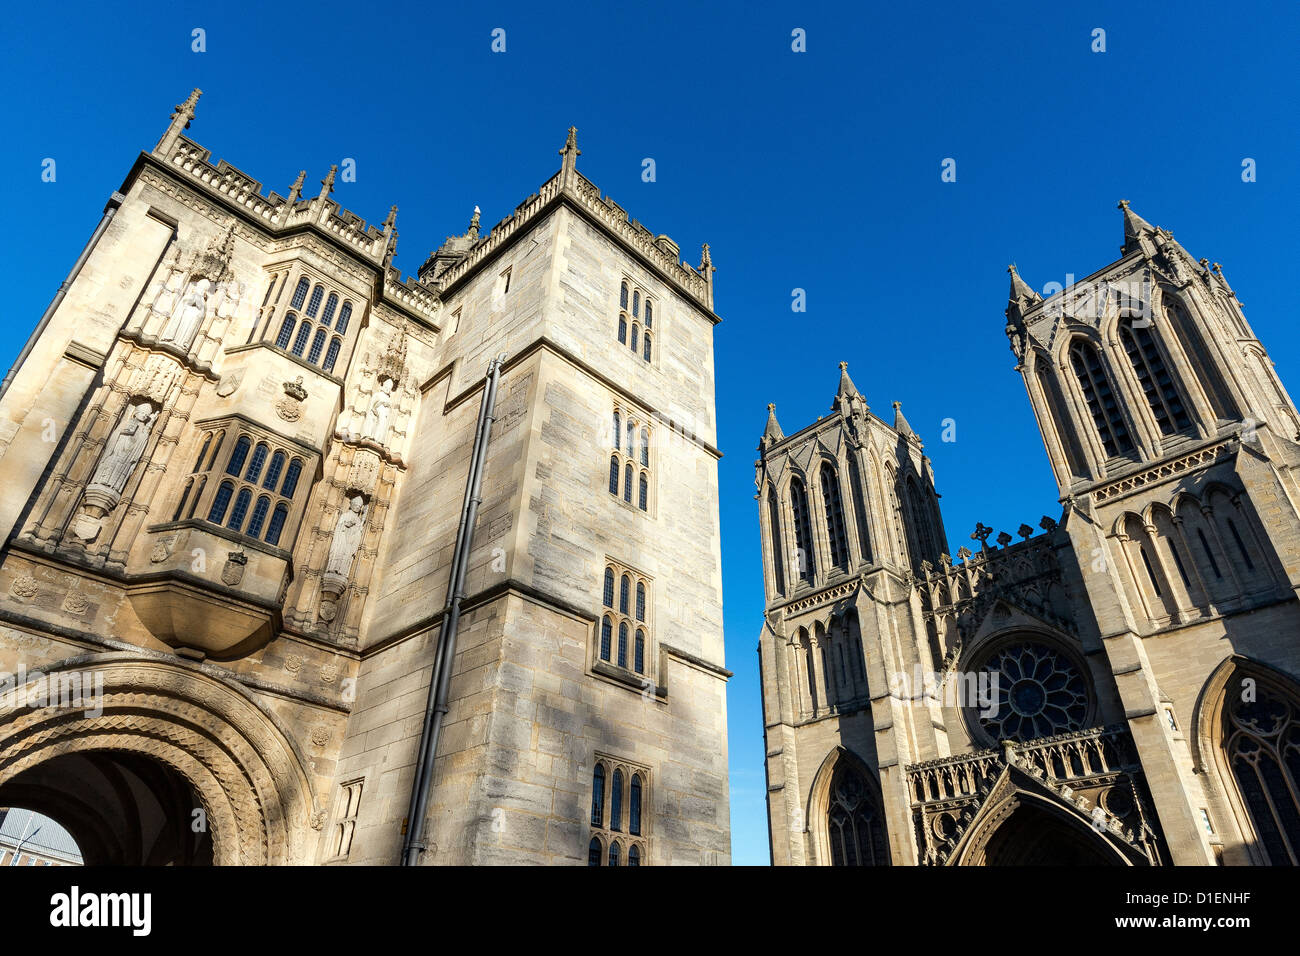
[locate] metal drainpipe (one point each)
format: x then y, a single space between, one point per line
110 210
440 681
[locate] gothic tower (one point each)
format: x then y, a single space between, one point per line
241 458
1119 689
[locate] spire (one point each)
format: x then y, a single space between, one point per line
570 154
391 220
295 191
772 433
180 121
1020 289
1135 227
707 269
473 224
900 423
847 388
327 184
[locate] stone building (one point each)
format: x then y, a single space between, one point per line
1120 688
235 458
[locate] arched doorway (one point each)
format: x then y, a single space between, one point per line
121 808
1033 837
165 763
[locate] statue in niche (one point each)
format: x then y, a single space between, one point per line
380 407
347 538
124 448
187 319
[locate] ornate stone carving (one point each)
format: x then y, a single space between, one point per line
230 382
232 572
24 586
293 663
76 602
290 407
189 317
122 453
381 405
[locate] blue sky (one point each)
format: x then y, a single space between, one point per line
816 170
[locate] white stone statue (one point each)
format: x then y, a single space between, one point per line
124 448
347 538
380 407
187 319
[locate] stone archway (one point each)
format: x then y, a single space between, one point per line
1024 830
161 739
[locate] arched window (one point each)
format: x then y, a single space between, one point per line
255 465
774 532
631 438
238 455
317 346
1157 383
643 494
857 833
198 462
640 601
622 296
300 293
859 508
221 502
622 330
198 493
332 354
331 304
616 802
1209 554
634 805
273 473
614 854
1058 420
313 306
606 635
276 526
300 343
259 517
216 448
613 475
636 336
623 594
803 539
618 429
598 796
1100 399
636 303
291 478
189 485
627 484
344 316
594 852
645 354
1241 546
839 540
638 658
634 855
649 313
1193 343
1261 740
238 513
622 644
609 587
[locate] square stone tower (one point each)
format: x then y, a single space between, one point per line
233 464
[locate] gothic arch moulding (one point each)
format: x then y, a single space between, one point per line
1024 828
845 786
245 771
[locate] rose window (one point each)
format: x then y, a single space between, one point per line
1032 691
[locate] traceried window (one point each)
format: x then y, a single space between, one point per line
803 539
629 465
256 490
306 332
620 797
1153 375
1100 399
624 627
774 539
1037 692
839 540
635 320
1261 740
854 820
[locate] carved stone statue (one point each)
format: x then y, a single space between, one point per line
380 407
347 538
124 448
187 319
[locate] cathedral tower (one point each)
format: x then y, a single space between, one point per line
1120 688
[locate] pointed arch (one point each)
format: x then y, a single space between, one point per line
1099 397
836 532
1188 333
1163 393
805 558
845 813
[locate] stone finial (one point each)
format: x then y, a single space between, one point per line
706 260
1135 227
1047 524
327 184
772 433
473 224
295 190
1020 289
180 121
1004 539
1025 531
569 155
901 424
391 220
981 534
